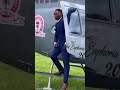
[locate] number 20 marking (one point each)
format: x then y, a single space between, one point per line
112 70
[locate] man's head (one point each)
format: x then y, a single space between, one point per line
58 14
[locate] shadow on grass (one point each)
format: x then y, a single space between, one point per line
12 78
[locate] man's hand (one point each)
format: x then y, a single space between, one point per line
65 45
55 44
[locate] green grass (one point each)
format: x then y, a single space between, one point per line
42 63
12 78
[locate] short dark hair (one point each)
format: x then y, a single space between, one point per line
59 10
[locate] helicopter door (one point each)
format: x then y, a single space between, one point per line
74 21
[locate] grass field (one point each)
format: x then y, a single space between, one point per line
12 78
42 63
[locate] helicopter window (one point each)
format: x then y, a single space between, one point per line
75 21
54 0
82 20
46 1
37 1
98 9
117 8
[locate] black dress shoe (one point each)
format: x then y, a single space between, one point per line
59 73
64 87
